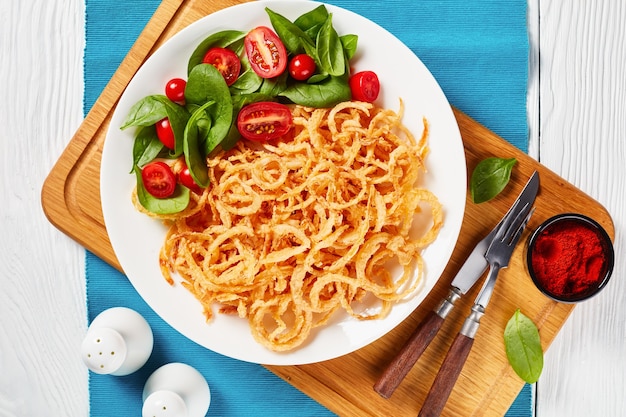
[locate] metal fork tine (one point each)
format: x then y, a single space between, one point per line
501 249
521 227
512 223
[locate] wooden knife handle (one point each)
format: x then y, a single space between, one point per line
447 376
410 353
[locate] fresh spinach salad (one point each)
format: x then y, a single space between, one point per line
239 85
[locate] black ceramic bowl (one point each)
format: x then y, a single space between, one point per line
570 257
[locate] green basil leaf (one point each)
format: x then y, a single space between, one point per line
523 347
329 92
330 50
174 204
145 112
490 177
206 83
226 38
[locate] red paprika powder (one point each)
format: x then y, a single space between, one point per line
570 257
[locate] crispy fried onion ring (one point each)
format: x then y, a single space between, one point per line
290 232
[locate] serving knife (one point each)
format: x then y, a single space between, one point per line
498 256
473 268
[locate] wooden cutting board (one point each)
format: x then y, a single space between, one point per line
487 385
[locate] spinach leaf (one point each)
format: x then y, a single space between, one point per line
349 43
274 86
226 38
490 177
327 93
330 50
151 109
292 36
145 112
194 156
317 78
178 116
523 347
248 81
312 21
174 204
203 122
147 146
205 83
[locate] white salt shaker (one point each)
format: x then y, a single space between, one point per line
176 390
118 342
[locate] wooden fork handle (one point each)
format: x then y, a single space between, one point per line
408 355
447 376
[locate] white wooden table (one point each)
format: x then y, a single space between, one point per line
577 117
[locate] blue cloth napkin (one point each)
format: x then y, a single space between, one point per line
478 52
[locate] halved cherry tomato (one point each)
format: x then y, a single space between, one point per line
264 121
185 178
165 133
266 52
175 90
158 179
301 67
226 61
364 86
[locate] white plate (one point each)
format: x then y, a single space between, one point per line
136 239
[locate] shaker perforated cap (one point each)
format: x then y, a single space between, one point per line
164 404
103 350
173 382
118 342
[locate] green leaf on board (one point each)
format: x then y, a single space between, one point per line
523 347
490 177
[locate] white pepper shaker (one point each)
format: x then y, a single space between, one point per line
118 342
176 390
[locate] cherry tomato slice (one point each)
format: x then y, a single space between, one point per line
165 133
264 121
158 179
185 178
226 61
175 90
301 67
364 86
266 52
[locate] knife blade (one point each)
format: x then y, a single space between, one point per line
471 271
